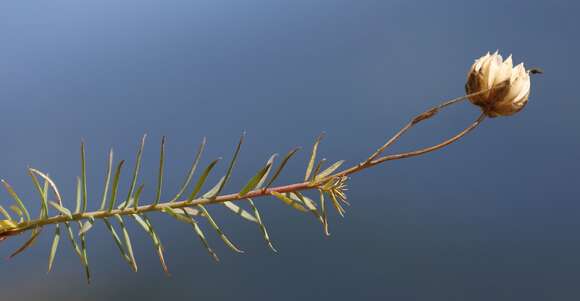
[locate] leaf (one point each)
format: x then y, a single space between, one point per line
175 214
137 196
53 247
51 183
78 199
312 157
42 193
5 213
253 182
107 180
86 226
329 170
83 177
263 179
191 171
293 203
145 223
28 243
323 213
160 174
118 242
18 212
214 190
201 236
202 179
218 230
240 212
61 209
127 239
85 256
80 252
308 203
231 166
135 170
262 226
282 164
17 199
45 193
115 185
317 169
191 211
134 201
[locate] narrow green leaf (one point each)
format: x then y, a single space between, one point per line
84 177
293 203
72 239
177 215
140 222
160 174
282 164
122 204
45 192
53 247
323 213
118 242
5 213
84 255
78 251
241 212
17 199
202 179
107 180
145 223
329 170
86 226
213 192
28 243
308 203
317 169
253 182
78 199
42 193
191 211
127 238
218 230
136 170
51 183
61 209
265 177
312 157
262 226
201 236
18 212
115 185
191 171
137 196
226 178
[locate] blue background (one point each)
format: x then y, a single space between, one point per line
493 217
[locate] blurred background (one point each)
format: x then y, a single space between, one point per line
493 217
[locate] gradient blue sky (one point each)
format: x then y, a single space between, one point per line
494 217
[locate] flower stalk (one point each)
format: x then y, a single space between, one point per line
372 161
492 85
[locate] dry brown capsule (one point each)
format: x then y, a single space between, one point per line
504 88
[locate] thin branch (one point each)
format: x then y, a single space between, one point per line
373 160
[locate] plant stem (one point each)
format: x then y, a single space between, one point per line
373 160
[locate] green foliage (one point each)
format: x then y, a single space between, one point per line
187 210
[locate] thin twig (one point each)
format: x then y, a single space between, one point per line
373 160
